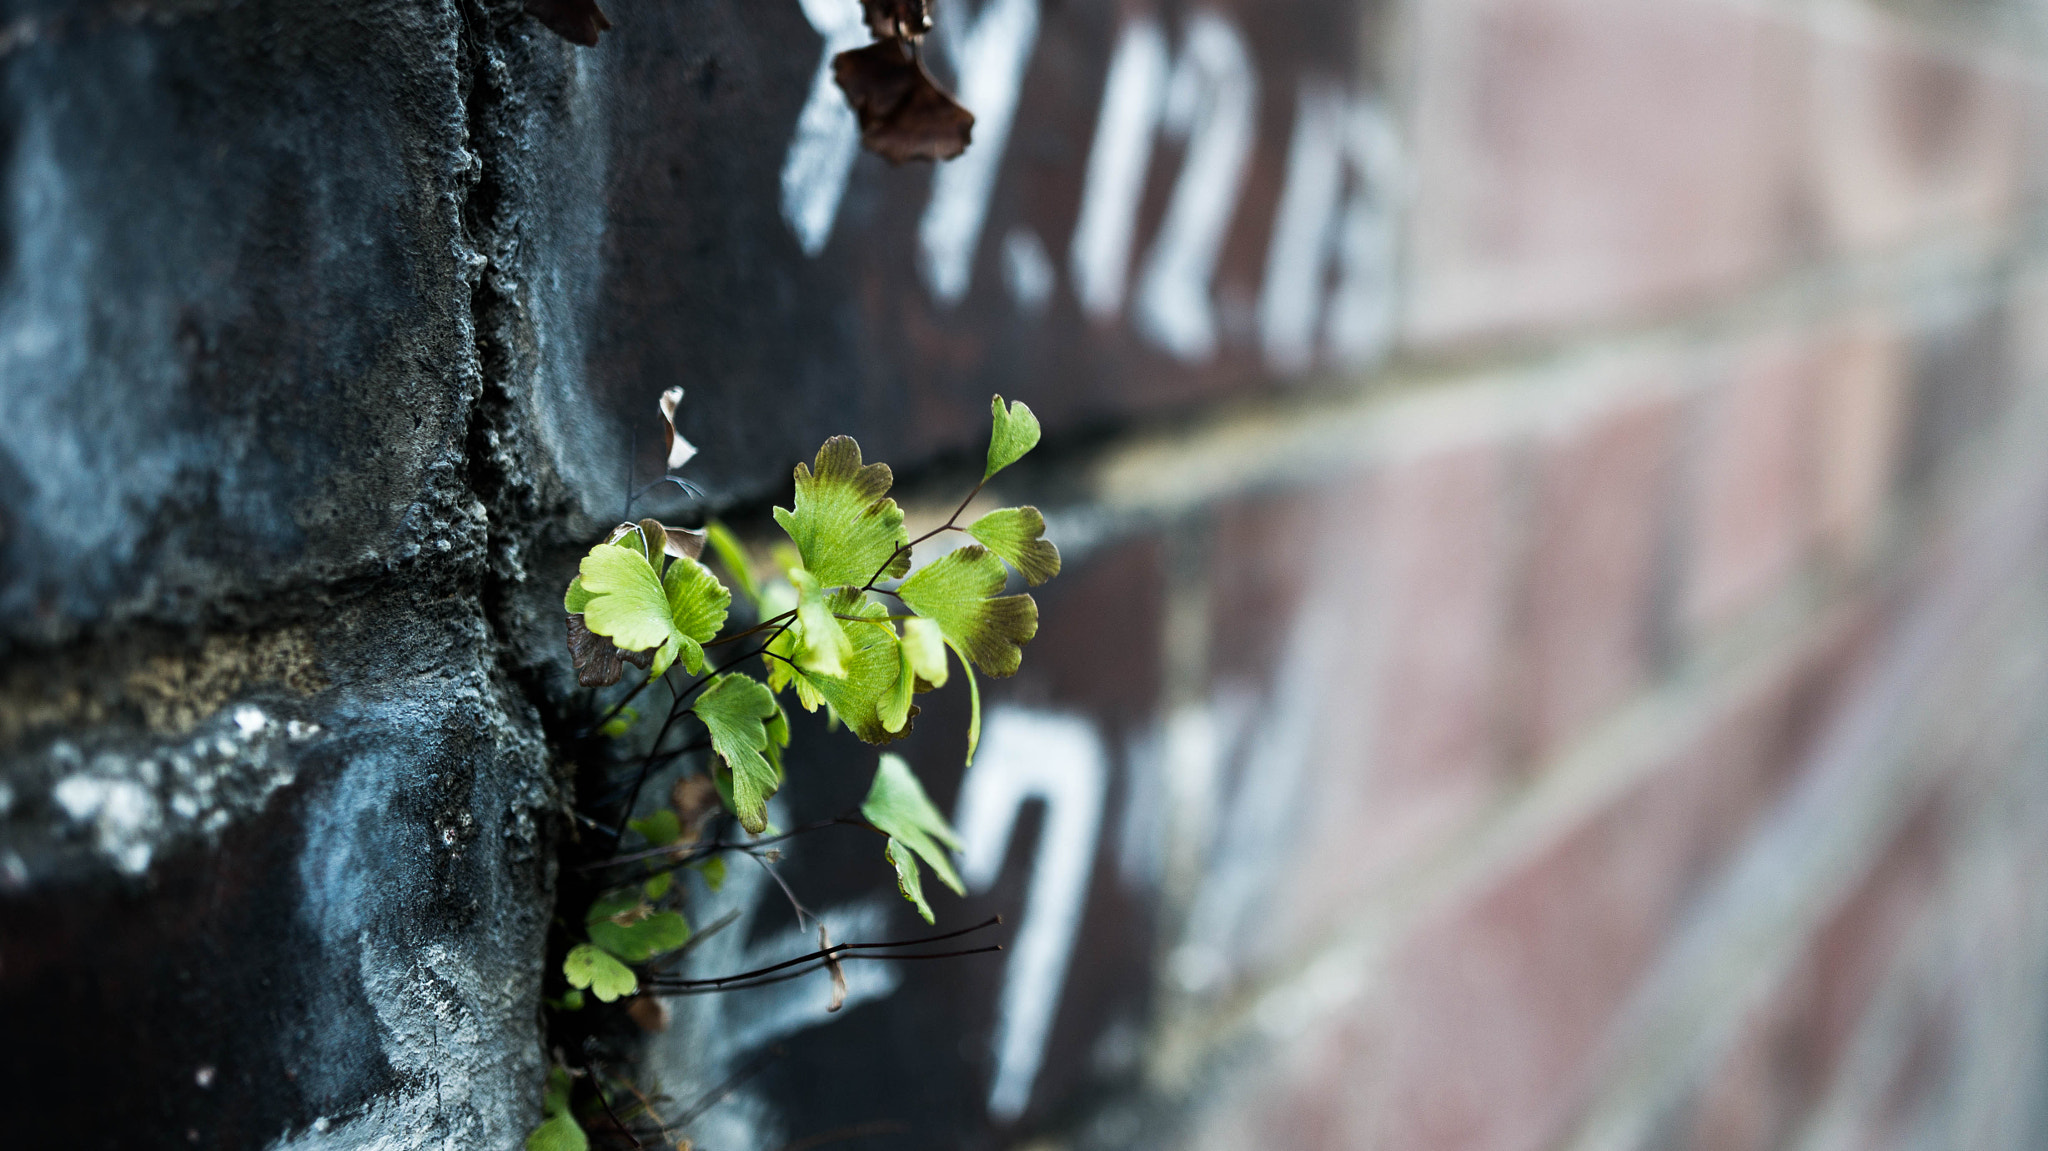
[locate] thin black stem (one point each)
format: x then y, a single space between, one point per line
764 624
833 950
646 765
597 1081
812 967
693 854
951 524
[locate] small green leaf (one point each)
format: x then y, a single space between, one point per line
554 1098
697 605
606 977
660 828
893 709
641 939
734 559
658 886
713 871
973 708
909 880
822 645
959 591
571 1000
624 903
735 710
626 601
844 525
621 723
561 1133
576 598
1018 535
1015 432
871 671
897 805
926 646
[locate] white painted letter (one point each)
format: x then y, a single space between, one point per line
1210 101
827 137
1027 755
988 52
1101 254
1333 134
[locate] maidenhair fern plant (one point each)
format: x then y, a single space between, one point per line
845 622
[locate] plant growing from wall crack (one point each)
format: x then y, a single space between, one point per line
845 622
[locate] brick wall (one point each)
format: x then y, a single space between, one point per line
1613 717
1555 507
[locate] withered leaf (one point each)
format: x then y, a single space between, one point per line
695 798
683 543
832 965
680 450
577 21
903 113
597 659
899 19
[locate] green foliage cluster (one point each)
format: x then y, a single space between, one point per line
825 634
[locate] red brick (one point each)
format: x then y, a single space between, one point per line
1409 735
1483 1034
1793 1044
1583 160
1858 422
1752 512
1909 137
1603 490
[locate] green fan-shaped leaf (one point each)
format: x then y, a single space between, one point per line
697 605
561 1133
1018 535
734 557
625 599
909 880
642 938
899 808
844 525
659 827
959 591
871 670
894 707
736 710
822 648
1015 432
591 967
925 644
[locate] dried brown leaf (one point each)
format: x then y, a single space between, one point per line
680 451
597 659
897 19
903 113
577 21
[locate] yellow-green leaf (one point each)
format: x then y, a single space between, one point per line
734 557
871 671
626 602
1018 535
736 710
822 647
1015 432
844 525
959 591
591 967
697 605
926 647
898 806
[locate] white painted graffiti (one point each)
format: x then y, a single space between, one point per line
1058 760
1328 290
